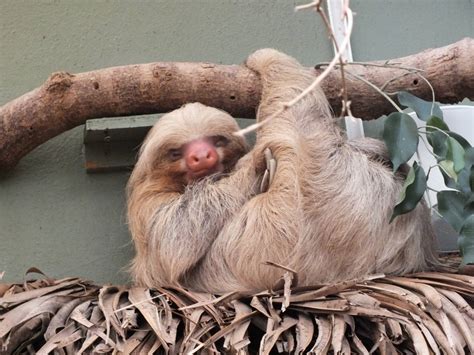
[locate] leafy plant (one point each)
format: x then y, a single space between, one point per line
455 160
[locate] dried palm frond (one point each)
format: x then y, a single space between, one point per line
424 313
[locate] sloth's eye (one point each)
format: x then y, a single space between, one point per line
221 141
174 154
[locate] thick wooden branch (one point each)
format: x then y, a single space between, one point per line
66 100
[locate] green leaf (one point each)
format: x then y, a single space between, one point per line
465 178
410 179
401 138
448 168
435 121
424 109
471 199
461 140
412 191
471 179
465 182
469 156
447 148
438 140
374 128
454 207
455 154
466 241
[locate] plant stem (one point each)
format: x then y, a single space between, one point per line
432 127
387 66
376 89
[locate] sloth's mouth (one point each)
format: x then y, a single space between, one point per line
196 175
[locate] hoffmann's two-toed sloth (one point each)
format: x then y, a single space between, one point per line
199 219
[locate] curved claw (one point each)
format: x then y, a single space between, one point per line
269 173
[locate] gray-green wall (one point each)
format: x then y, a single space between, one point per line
56 217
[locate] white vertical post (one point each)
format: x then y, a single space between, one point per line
339 26
354 126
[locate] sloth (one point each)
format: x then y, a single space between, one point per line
200 219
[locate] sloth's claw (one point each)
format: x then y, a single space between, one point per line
269 173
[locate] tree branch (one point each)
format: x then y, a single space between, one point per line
66 100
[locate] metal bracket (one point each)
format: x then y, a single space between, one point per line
112 144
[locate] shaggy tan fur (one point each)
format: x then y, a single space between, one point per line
325 215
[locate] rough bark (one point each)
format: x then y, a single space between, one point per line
68 100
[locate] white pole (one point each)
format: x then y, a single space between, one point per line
339 26
354 126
